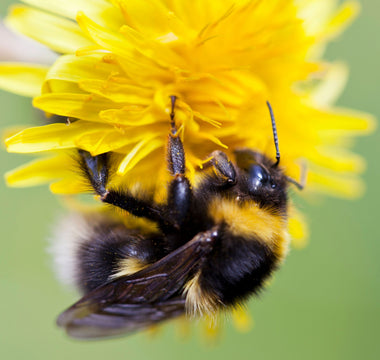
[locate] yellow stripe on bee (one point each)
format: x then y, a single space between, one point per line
250 221
129 266
198 300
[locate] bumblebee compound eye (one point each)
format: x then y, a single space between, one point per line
258 177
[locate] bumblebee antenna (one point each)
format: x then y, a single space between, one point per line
275 137
173 99
301 184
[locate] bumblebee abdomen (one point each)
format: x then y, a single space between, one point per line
102 257
252 243
237 269
101 249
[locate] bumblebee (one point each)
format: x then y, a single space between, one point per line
215 245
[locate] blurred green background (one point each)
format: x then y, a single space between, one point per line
324 303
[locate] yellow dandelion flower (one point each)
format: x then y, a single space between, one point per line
121 60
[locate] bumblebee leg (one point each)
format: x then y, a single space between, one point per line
95 169
223 168
179 193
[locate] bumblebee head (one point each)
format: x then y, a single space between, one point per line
260 179
265 180
253 176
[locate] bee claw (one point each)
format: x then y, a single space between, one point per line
103 197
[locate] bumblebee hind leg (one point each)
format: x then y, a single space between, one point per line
96 170
170 216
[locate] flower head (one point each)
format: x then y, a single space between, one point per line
121 60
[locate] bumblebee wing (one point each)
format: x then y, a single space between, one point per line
136 301
119 319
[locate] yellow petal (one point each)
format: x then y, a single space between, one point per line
332 85
129 115
198 13
39 171
65 73
118 92
102 140
10 131
206 119
61 86
337 159
152 18
344 186
343 17
69 186
315 14
61 35
86 107
336 123
233 88
127 43
107 39
214 139
144 71
22 79
74 68
49 137
154 50
101 11
139 152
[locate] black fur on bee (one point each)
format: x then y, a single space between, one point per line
214 245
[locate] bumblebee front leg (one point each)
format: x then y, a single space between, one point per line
179 192
95 169
223 168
